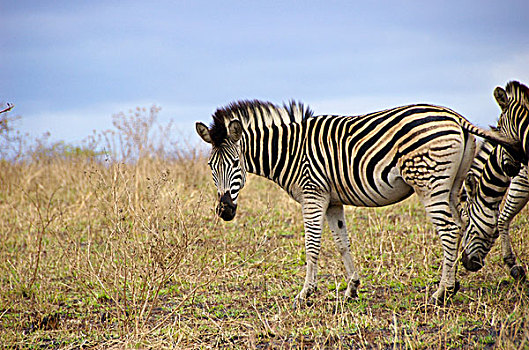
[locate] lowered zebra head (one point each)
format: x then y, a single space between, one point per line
483 204
227 165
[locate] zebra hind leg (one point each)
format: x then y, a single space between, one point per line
439 211
336 221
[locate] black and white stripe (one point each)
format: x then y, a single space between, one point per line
516 199
514 118
490 178
487 184
325 162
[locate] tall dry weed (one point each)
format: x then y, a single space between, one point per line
138 245
102 221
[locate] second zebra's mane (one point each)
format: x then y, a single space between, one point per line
518 91
256 113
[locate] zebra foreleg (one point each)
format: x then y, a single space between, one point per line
336 221
313 207
517 198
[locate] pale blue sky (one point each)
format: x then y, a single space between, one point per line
69 65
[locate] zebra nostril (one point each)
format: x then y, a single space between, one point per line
226 209
472 263
226 200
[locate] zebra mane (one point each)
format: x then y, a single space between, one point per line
518 91
256 114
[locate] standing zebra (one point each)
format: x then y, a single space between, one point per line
482 232
325 162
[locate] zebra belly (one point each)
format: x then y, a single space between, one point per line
382 192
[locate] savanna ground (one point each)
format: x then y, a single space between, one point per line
114 244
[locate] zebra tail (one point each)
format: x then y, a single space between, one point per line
495 136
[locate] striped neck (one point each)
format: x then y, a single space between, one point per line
272 136
273 151
492 186
522 127
515 120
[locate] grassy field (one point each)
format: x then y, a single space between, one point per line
98 253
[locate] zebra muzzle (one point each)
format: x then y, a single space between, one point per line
226 208
472 264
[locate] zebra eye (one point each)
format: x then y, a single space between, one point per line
236 163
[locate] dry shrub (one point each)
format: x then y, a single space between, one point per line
13 143
102 221
137 246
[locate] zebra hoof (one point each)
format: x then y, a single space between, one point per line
442 295
350 296
437 301
299 303
302 299
453 290
352 291
518 273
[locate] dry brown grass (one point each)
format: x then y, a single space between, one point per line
104 253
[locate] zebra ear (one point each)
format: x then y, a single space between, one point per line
501 97
203 132
235 130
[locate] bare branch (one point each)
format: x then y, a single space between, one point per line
8 108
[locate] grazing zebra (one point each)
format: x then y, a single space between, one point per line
325 162
488 181
481 233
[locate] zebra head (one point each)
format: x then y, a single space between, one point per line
514 117
484 198
227 169
477 245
